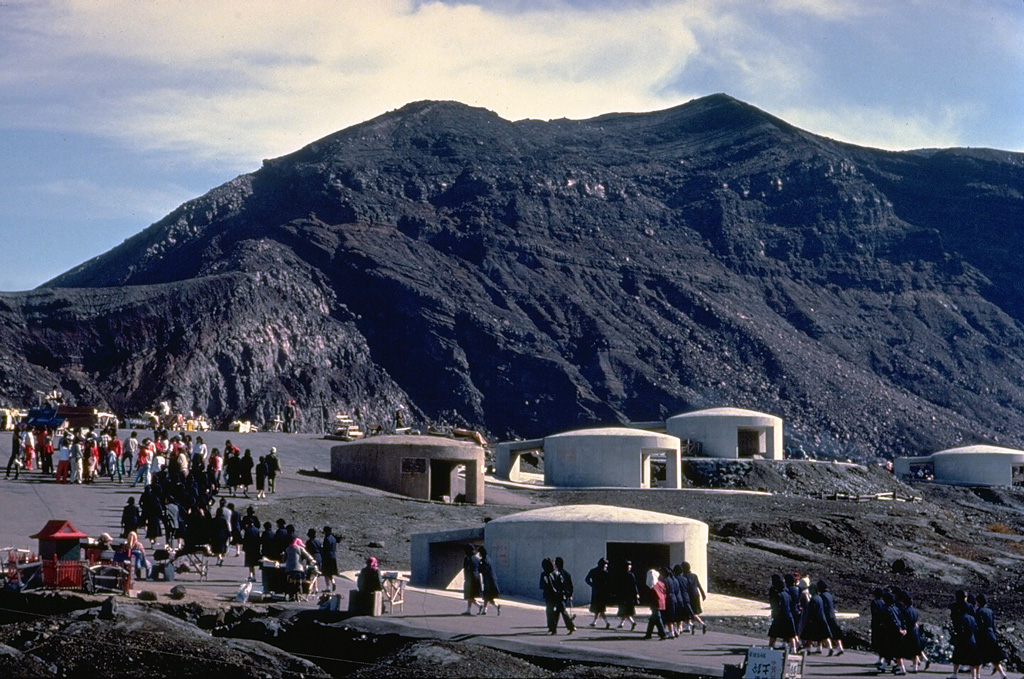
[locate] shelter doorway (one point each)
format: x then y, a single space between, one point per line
644 555
750 443
444 480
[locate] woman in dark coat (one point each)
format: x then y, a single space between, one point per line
245 471
673 602
835 633
684 612
783 626
878 619
964 637
913 642
697 595
251 548
489 584
470 579
231 471
598 579
627 593
988 646
813 624
152 513
220 533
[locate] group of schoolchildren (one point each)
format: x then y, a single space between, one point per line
674 595
803 615
974 635
897 637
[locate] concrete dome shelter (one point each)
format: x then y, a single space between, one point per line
980 465
580 534
731 433
423 467
611 456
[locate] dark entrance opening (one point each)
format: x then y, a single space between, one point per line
644 555
748 443
441 480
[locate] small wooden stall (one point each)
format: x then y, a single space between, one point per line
60 550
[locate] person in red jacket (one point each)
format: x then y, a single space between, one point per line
659 593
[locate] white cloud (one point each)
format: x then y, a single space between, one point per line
242 80
262 78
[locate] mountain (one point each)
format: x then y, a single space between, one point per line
528 277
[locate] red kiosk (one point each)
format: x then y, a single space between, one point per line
60 550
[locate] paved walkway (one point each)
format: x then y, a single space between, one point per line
521 628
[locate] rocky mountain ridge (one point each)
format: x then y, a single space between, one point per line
527 277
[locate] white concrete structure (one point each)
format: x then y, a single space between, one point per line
967 466
730 432
613 456
580 534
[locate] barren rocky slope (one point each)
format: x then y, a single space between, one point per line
533 276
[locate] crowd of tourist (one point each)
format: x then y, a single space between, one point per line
88 456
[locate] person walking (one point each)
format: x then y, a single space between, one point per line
470 579
913 640
489 591
273 469
697 595
627 594
554 598
245 468
814 630
130 518
659 594
598 580
567 586
835 633
63 460
130 453
261 478
329 558
989 651
251 548
964 637
782 626
15 461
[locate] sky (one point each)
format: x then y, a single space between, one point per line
114 112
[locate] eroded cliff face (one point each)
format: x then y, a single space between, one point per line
529 277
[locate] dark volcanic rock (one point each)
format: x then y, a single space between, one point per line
528 277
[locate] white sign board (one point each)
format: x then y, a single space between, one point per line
764 663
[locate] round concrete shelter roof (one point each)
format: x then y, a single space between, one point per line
724 412
607 432
401 445
979 450
594 514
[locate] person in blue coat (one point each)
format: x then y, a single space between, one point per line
988 646
835 633
782 626
964 637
